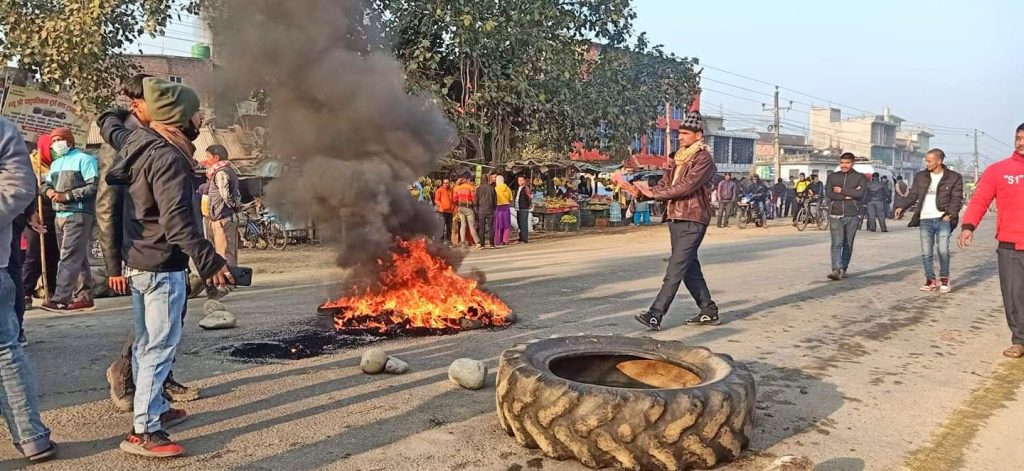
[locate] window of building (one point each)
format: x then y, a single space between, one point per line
742 151
675 141
656 143
719 149
677 112
636 144
174 78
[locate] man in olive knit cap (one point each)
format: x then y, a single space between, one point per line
160 236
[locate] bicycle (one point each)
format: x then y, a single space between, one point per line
813 211
261 231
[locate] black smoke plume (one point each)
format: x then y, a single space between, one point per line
338 106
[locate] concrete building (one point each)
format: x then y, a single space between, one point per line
880 139
798 156
196 72
733 151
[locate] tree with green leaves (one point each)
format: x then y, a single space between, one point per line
512 72
78 47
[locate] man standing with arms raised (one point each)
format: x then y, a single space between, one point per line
938 192
844 190
686 193
1003 182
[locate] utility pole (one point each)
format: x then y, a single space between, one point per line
668 129
777 128
975 156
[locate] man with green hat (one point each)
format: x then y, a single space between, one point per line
160 236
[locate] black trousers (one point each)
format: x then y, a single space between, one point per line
1011 282
446 236
876 212
725 209
33 257
523 219
485 228
683 267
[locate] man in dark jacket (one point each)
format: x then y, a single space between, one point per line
160 236
877 197
938 192
109 216
728 191
844 189
686 192
486 203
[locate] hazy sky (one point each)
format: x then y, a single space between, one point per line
956 64
953 65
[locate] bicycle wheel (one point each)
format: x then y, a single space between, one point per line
276 236
802 219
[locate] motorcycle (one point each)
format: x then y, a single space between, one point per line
750 211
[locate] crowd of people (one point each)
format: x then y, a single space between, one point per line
158 217
484 215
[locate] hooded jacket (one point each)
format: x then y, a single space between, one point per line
160 232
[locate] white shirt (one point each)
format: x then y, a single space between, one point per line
929 210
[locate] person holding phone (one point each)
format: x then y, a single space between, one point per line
160 236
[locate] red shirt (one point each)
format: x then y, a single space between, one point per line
1002 181
465 193
443 199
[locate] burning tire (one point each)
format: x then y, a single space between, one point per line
631 403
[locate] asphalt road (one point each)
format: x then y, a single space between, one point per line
868 373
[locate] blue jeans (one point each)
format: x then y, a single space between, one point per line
18 398
843 231
642 217
935 231
158 300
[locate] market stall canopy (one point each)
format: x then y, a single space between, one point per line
586 167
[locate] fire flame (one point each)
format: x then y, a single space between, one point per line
417 290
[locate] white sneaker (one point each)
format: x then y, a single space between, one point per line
944 286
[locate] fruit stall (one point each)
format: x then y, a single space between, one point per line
551 210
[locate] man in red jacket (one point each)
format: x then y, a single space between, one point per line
1003 181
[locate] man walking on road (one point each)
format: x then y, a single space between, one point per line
687 196
18 388
844 189
877 195
727 192
1003 182
938 192
71 186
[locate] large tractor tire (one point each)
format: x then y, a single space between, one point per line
628 403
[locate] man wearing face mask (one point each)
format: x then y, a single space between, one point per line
71 186
160 236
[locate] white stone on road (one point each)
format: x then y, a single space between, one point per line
468 373
213 306
395 366
373 361
218 320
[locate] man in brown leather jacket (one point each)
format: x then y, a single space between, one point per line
686 193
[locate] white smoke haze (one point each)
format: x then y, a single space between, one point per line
343 113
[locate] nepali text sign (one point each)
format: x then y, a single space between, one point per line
36 112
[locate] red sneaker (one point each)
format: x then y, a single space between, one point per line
154 445
930 285
81 306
